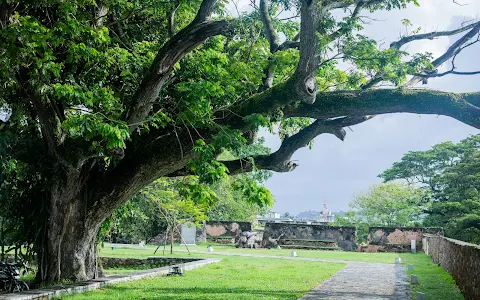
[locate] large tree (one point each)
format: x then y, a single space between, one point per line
451 174
100 98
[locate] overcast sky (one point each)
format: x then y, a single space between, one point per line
336 170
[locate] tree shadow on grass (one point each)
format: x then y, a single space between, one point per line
201 293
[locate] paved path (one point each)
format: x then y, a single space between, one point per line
360 280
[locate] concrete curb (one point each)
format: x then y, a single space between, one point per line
94 284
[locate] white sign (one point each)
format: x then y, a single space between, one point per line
189 234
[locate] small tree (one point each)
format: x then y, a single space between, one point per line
180 212
390 204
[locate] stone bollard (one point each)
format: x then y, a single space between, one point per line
410 267
293 254
398 260
210 248
421 296
413 279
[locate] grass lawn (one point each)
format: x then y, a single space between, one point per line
433 280
323 254
234 277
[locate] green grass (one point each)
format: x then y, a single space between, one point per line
126 270
323 254
233 278
433 280
339 255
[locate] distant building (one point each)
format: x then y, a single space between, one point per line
315 217
272 217
329 217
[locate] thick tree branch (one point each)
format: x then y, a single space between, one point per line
205 11
289 45
452 51
50 123
271 33
304 77
463 107
171 19
429 36
279 161
101 12
183 42
6 11
452 71
148 157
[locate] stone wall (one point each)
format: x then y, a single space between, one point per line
382 239
460 259
222 230
151 262
309 236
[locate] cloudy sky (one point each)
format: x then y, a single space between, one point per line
335 170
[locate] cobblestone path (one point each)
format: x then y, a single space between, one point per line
360 280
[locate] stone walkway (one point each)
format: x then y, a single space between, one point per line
360 280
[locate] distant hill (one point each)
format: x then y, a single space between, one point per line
309 215
316 215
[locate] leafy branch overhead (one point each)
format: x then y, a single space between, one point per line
100 98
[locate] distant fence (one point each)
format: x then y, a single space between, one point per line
460 259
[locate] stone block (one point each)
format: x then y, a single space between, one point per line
421 296
413 279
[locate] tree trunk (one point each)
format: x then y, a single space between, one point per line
68 251
172 240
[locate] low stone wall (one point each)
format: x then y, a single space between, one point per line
310 236
398 239
253 240
151 262
222 231
460 259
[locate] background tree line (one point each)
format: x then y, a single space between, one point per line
146 215
434 188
